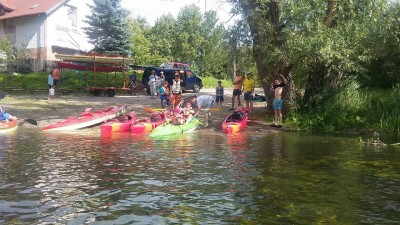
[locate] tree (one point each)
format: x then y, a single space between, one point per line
188 36
6 47
139 44
162 38
108 30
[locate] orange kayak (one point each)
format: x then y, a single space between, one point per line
147 125
119 123
9 126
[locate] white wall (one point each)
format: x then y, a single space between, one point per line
62 33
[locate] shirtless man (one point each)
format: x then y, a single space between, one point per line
237 88
277 88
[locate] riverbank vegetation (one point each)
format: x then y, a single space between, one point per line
342 58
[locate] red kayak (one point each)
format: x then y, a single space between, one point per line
87 119
119 123
235 122
8 126
147 125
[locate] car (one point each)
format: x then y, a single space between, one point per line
175 65
191 82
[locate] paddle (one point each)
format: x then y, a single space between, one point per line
151 110
31 121
212 109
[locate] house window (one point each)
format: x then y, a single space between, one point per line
72 15
9 30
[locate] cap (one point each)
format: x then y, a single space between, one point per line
161 72
181 71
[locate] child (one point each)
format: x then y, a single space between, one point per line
188 112
219 94
133 83
164 95
50 82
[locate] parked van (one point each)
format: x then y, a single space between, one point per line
191 82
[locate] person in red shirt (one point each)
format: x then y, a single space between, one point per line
56 76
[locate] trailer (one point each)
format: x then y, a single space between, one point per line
98 63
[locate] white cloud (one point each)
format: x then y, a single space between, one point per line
153 9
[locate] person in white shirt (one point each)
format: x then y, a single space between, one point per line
203 102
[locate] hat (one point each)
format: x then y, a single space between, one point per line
161 72
181 71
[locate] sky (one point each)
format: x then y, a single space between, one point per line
153 9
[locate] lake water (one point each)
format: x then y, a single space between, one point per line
202 177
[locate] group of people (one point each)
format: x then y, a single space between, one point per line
52 81
246 86
187 109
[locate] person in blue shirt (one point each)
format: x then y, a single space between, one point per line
164 95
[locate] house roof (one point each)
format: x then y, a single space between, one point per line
19 8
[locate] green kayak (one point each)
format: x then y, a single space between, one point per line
169 129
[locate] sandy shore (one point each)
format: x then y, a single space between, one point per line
36 106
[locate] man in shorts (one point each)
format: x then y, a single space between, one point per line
237 87
248 90
277 88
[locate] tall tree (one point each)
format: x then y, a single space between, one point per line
108 30
139 44
162 38
188 36
215 49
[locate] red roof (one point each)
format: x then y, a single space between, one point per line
27 7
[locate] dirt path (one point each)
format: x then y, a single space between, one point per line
37 106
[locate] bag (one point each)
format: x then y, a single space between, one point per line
51 91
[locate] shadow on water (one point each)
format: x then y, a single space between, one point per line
200 177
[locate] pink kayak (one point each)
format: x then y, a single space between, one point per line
86 119
147 125
235 122
119 123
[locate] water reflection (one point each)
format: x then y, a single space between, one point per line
200 177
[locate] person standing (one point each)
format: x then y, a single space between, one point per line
164 95
248 90
56 76
160 82
50 83
133 83
176 91
277 88
153 84
237 87
219 94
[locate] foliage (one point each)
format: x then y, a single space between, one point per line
140 45
384 40
6 47
108 30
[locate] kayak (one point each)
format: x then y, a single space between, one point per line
235 122
9 126
169 129
87 119
119 123
147 125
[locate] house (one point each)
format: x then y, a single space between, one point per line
45 27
